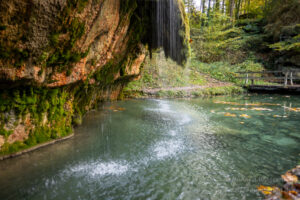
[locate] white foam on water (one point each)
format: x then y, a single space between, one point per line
166 149
109 168
100 168
184 119
172 132
164 107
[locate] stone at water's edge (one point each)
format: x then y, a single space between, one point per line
290 190
59 58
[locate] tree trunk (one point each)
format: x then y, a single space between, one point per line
217 5
238 7
203 6
208 11
231 8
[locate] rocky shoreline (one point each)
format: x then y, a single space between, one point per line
290 189
13 155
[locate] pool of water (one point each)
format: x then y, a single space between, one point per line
214 148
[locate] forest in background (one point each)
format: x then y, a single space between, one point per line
234 31
229 36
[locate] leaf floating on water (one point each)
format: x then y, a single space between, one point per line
229 115
212 111
245 116
294 109
289 178
238 109
266 190
242 122
271 104
293 192
228 103
246 104
261 109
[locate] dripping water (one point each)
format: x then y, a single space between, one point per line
166 26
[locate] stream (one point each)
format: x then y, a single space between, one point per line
205 148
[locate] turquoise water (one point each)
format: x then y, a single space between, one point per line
165 149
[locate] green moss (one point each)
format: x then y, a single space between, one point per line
37 102
38 136
54 39
18 55
5 132
63 53
106 74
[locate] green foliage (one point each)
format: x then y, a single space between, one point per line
224 71
226 44
287 45
211 91
161 72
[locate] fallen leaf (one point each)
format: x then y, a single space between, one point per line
239 109
229 115
293 192
289 178
242 122
245 116
261 109
224 102
266 190
286 195
294 109
246 104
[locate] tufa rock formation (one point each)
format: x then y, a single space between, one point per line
58 58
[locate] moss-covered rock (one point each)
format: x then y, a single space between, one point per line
58 58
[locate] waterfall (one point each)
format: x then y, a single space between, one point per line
166 24
165 27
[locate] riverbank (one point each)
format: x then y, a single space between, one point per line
39 146
184 92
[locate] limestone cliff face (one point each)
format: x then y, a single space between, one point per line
57 42
58 58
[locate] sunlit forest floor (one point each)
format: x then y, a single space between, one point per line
162 77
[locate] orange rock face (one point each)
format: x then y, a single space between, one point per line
105 38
